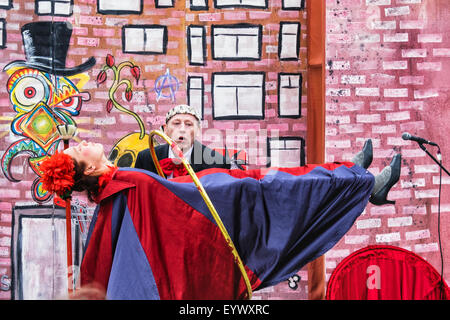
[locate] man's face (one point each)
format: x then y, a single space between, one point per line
183 129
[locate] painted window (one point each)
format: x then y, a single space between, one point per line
195 93
196 44
289 41
289 95
144 39
116 7
286 152
198 5
293 4
164 3
241 4
238 95
5 4
2 33
236 42
54 7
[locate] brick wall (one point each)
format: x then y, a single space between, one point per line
388 74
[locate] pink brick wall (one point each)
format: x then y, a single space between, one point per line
390 59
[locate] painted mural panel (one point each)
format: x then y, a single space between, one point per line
39 256
113 69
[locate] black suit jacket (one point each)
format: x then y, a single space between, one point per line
202 158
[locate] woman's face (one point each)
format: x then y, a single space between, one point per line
92 154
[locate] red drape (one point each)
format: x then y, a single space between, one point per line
385 273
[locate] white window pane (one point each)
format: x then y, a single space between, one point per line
238 79
248 47
289 105
289 95
119 5
290 28
225 103
195 101
63 9
134 39
292 4
232 42
44 7
237 3
285 152
197 51
144 39
289 47
240 95
4 3
195 83
196 31
164 3
285 158
154 40
293 144
289 40
196 45
224 46
195 94
250 101
199 3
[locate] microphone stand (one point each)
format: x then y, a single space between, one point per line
432 157
441 282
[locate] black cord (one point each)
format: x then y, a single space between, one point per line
439 227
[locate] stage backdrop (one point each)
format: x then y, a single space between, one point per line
243 66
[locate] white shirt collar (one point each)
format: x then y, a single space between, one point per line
186 154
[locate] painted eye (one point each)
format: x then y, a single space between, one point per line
71 105
68 102
28 92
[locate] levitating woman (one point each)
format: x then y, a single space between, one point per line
152 238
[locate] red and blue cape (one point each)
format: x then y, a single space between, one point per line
152 238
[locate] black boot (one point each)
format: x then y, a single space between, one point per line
365 156
385 180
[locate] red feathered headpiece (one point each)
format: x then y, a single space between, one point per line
58 172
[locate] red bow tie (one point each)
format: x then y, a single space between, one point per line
168 167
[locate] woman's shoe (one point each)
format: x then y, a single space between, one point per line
365 156
389 176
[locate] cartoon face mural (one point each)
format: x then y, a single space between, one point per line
44 94
125 151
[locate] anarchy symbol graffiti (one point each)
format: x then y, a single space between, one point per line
166 86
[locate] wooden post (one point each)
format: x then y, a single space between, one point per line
69 239
315 133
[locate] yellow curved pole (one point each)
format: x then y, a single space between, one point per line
198 184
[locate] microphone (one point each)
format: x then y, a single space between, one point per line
407 136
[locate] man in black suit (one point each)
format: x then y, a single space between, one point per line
183 125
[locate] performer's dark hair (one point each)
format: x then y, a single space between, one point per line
84 182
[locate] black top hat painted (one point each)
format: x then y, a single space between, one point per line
46 44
